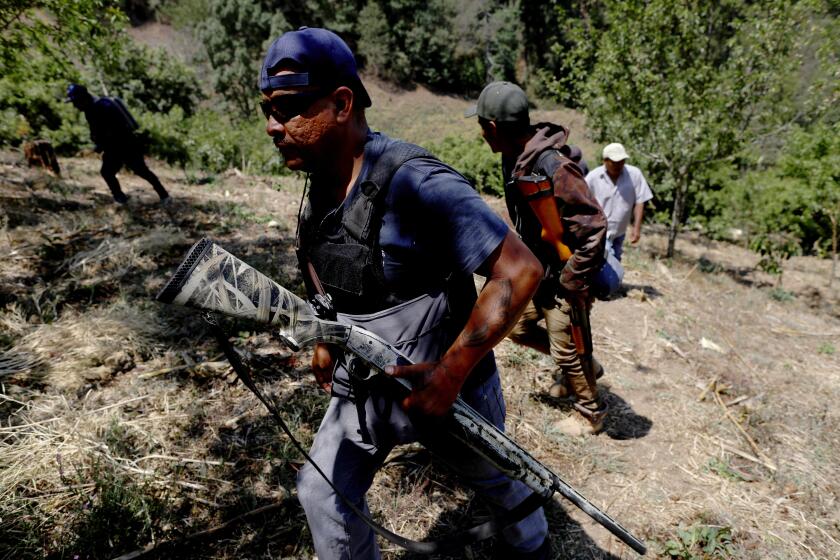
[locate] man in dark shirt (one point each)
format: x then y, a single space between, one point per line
112 131
397 256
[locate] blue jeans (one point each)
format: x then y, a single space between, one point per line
608 279
618 246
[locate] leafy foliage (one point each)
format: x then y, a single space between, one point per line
559 39
704 80
787 208
235 36
150 79
473 160
83 27
700 542
446 45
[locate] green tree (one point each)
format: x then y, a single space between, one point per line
61 30
558 39
686 85
503 43
812 165
450 46
235 37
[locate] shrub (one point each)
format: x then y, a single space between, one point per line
472 158
151 79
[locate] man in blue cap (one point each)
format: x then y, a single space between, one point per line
393 237
112 131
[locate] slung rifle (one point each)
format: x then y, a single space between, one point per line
212 279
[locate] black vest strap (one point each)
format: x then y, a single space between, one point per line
343 249
361 220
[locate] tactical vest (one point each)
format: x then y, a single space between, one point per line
343 248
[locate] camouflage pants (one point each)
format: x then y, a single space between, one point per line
556 339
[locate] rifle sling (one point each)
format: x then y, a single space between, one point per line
451 542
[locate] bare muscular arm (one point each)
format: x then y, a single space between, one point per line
513 274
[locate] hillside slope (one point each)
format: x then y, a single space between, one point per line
121 427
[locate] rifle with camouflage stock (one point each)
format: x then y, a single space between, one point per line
211 279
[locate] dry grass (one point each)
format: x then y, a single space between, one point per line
117 410
421 116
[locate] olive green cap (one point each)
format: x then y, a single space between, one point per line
503 102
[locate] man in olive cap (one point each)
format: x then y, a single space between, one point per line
112 131
541 149
393 237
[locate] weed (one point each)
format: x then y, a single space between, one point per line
117 515
780 294
665 336
193 178
723 470
20 532
827 348
522 356
700 542
119 440
707 266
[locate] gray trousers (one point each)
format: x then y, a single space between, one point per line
351 460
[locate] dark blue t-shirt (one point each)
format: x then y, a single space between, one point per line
434 223
435 227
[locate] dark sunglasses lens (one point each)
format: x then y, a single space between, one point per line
286 107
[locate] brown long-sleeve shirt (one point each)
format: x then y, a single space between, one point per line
584 223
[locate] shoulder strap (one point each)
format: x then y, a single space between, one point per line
126 115
542 159
360 219
564 157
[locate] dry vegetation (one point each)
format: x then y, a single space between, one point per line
121 426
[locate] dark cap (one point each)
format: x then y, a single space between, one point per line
77 92
503 102
324 60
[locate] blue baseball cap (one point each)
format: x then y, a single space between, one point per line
324 60
77 92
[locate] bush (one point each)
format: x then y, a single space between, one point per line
234 36
166 135
31 101
473 159
151 79
784 208
217 143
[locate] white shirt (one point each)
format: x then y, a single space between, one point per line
618 199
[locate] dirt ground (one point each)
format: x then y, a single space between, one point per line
121 425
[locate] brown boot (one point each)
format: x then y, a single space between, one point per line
580 423
560 388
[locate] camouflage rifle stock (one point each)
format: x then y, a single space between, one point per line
211 279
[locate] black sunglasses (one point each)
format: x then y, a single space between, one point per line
285 107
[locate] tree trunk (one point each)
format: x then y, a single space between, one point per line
833 218
676 216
